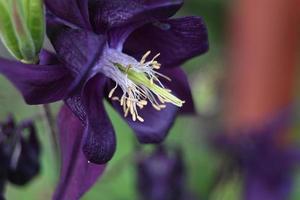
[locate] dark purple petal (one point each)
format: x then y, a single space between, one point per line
72 11
156 125
117 36
161 175
79 50
7 127
177 40
180 88
27 165
257 188
99 142
107 14
267 166
38 84
7 140
47 58
77 174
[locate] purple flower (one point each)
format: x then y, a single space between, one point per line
161 175
266 166
103 52
19 154
107 54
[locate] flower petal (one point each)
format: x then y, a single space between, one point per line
256 188
117 36
79 50
161 175
72 11
38 84
77 174
107 14
177 40
27 164
99 142
156 125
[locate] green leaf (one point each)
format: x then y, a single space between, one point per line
8 35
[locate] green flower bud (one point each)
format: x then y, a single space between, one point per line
22 28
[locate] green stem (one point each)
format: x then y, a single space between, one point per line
52 130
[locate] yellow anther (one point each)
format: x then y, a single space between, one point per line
145 57
143 102
126 112
162 106
115 99
112 91
156 107
140 119
122 100
140 105
153 59
161 99
156 65
133 116
128 103
124 106
151 81
131 110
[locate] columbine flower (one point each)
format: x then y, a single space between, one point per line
162 175
266 166
19 154
103 52
109 56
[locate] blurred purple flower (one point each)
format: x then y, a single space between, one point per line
19 154
266 166
161 175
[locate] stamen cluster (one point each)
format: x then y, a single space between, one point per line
141 85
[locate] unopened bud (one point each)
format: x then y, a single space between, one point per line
22 28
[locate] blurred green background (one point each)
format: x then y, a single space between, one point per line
119 182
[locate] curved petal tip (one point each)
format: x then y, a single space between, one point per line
99 148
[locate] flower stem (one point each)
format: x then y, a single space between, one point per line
52 130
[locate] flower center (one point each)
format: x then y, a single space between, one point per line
139 82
